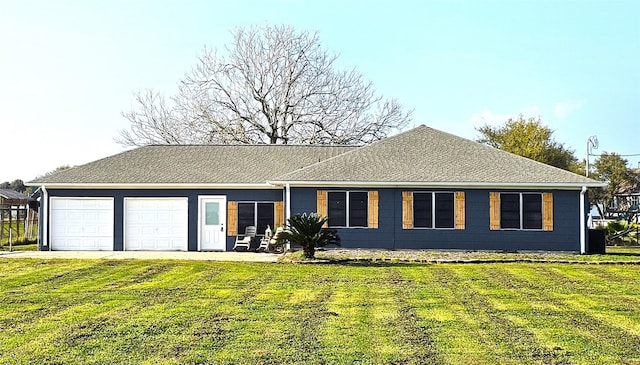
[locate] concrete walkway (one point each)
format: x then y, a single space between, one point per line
144 255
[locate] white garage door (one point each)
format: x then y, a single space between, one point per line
81 224
156 224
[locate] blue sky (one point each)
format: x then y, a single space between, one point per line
68 68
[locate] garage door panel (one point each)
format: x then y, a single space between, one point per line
156 224
81 224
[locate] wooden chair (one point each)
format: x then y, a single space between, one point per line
245 240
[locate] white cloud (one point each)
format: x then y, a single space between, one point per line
564 108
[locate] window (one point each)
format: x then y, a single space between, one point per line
431 209
255 214
337 210
422 210
347 208
521 210
531 211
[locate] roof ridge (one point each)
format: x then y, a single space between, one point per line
252 145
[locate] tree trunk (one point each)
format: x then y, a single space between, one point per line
310 252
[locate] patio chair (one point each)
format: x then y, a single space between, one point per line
245 240
264 241
268 243
274 238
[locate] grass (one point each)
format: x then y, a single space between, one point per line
21 246
176 312
17 239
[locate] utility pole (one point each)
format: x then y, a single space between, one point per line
592 143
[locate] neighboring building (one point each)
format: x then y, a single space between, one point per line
419 189
626 201
18 213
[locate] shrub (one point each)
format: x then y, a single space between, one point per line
306 231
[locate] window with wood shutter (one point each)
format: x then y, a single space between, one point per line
547 209
433 209
460 210
373 209
494 210
321 207
348 208
407 210
522 211
279 214
232 218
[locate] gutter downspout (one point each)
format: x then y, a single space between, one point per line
287 209
45 218
583 228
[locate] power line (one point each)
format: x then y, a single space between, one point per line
629 155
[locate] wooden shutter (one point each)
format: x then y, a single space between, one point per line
547 211
459 209
279 214
232 218
322 204
494 210
373 209
407 210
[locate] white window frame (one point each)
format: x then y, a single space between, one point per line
433 209
348 208
255 212
521 202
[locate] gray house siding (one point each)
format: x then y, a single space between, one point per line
191 194
565 235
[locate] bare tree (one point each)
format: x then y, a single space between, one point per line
276 85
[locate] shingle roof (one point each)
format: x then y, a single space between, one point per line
195 164
12 195
419 156
424 154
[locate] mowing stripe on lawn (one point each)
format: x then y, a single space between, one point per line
352 326
578 326
503 337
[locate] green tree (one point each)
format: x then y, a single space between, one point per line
306 231
610 168
55 171
529 138
17 185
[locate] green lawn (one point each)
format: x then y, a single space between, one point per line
159 312
4 240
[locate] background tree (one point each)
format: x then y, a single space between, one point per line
529 138
611 168
275 85
58 169
17 185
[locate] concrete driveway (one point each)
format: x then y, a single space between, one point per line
144 255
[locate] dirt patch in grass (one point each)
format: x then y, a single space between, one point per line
457 256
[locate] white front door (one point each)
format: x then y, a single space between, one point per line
212 213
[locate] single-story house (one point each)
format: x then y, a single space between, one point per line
421 189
